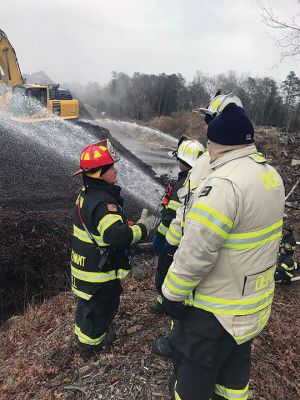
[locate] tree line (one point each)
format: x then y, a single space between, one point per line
143 96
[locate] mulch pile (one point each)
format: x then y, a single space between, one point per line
40 360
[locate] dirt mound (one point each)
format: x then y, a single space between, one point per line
40 361
34 258
37 197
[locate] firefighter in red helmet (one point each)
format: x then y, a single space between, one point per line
101 241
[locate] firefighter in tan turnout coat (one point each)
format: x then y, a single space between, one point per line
224 266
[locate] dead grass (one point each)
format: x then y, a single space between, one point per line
181 123
40 361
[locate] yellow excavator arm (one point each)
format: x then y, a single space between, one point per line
9 62
32 103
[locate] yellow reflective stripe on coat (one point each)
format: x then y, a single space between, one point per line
81 235
287 268
250 240
173 205
81 294
177 285
231 394
173 236
234 307
86 339
136 233
211 218
107 221
93 276
244 338
163 229
122 273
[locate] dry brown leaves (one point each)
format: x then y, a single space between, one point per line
40 361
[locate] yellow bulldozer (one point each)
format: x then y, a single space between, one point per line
28 102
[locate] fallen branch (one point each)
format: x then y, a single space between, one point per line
75 387
293 188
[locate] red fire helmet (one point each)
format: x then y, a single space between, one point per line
97 155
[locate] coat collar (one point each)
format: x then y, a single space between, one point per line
99 184
233 155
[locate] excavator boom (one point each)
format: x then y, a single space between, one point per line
9 62
30 103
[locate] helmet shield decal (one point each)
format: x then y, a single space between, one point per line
106 143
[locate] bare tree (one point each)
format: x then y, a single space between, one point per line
289 39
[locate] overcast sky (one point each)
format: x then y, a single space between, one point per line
85 40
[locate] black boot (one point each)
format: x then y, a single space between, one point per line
162 347
88 352
157 308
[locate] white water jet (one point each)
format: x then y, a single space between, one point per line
66 140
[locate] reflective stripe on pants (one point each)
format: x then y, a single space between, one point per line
209 365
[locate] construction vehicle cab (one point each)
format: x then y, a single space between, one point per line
29 102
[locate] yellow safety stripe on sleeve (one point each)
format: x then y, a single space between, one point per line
173 205
86 339
122 273
81 294
96 277
179 286
162 229
231 394
107 221
211 218
173 236
287 268
81 235
136 233
234 307
250 240
189 301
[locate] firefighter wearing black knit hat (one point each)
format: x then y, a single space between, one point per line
224 267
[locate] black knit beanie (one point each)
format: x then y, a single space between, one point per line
231 127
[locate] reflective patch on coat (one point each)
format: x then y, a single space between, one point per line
205 191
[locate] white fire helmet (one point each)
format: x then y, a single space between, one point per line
218 103
189 150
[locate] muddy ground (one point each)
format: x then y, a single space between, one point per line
39 357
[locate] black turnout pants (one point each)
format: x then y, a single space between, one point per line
163 265
208 363
94 316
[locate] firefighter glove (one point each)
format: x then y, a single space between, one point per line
146 220
175 309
